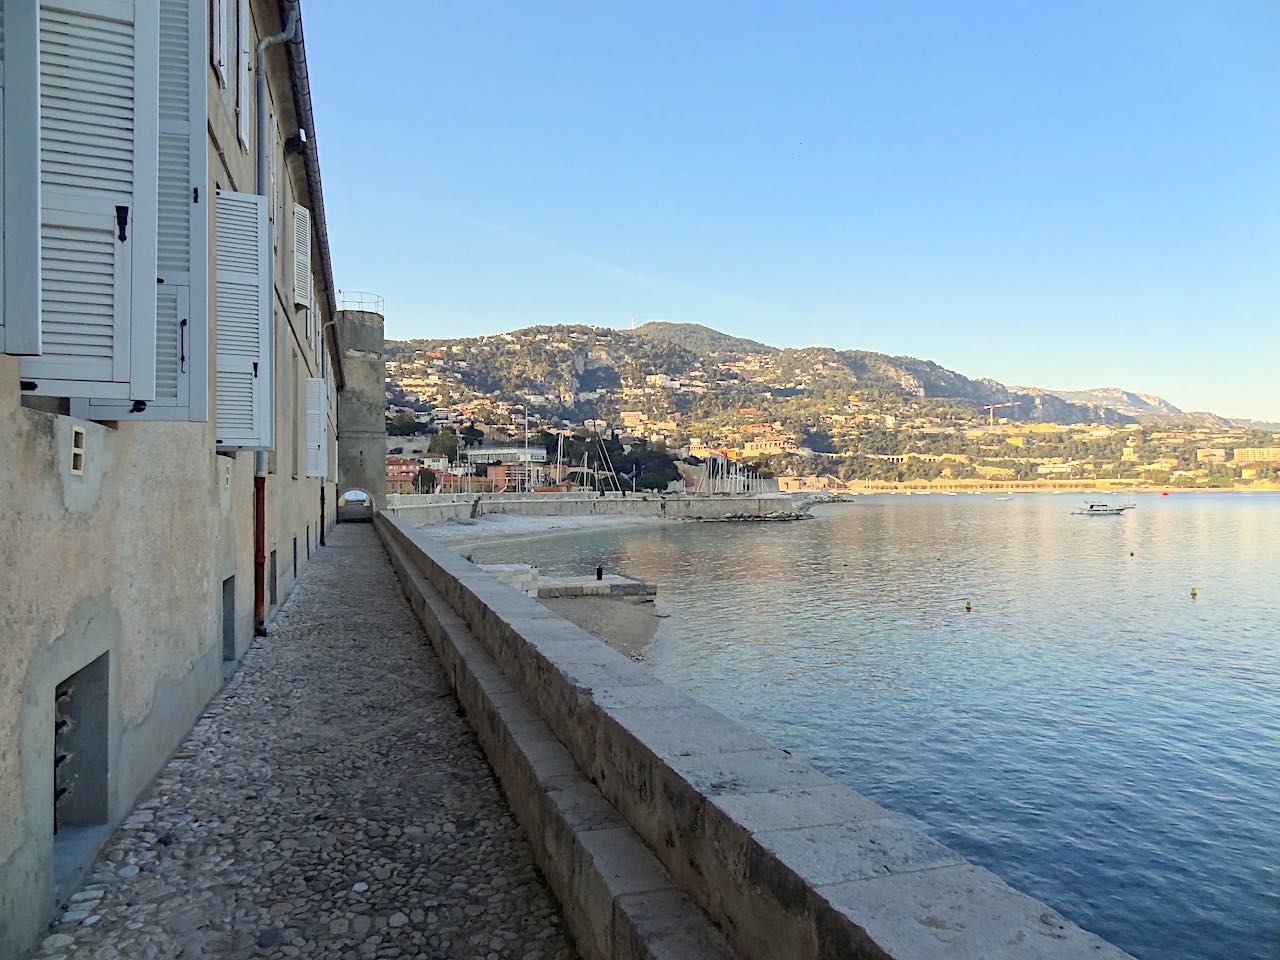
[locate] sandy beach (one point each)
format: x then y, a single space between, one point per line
501 526
624 623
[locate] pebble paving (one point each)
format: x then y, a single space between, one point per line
331 802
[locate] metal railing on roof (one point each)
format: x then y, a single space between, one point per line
361 300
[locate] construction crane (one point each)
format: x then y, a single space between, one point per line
991 408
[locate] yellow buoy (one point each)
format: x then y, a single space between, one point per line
1193 593
968 606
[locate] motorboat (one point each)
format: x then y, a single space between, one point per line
1097 508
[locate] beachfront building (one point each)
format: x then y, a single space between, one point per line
171 357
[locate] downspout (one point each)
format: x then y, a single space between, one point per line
260 456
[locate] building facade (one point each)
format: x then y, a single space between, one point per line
168 385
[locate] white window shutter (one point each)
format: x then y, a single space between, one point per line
243 393
242 72
317 441
301 256
182 260
19 177
218 40
98 155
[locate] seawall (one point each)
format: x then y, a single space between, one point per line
421 509
668 830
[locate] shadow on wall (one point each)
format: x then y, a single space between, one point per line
355 506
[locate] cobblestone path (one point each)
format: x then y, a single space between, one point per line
329 803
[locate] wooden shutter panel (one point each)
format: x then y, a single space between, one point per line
301 256
182 259
317 441
19 177
243 393
218 40
98 151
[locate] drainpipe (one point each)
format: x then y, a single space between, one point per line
260 456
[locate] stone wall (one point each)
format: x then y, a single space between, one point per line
362 425
421 509
786 863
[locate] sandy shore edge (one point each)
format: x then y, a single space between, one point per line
500 526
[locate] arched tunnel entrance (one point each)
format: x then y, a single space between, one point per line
355 506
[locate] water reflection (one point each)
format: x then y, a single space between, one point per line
1089 731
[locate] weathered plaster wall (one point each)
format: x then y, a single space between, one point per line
123 560
362 405
129 559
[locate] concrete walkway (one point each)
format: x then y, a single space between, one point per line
330 803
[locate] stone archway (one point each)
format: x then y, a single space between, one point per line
355 506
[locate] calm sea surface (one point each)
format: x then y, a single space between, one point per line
1089 731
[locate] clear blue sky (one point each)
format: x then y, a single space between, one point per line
1060 194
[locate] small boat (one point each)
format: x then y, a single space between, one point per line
1003 499
1096 508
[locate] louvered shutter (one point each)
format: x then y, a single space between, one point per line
243 328
218 40
301 256
317 441
19 177
182 259
98 151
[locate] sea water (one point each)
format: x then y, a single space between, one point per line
1089 730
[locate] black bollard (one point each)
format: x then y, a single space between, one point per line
599 573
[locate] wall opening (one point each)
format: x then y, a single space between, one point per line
355 506
80 800
272 579
229 618
295 558
308 541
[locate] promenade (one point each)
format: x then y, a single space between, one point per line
330 802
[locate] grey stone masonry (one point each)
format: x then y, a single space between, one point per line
331 803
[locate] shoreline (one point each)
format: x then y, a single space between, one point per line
462 534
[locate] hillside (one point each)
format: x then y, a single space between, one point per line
666 389
560 363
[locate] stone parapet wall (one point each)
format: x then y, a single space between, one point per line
421 509
787 863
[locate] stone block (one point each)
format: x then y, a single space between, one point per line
949 912
856 850
664 925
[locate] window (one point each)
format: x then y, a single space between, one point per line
242 73
98 202
301 257
220 39
19 180
317 458
182 262
296 410
79 718
229 618
243 393
77 451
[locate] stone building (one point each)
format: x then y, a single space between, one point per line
170 367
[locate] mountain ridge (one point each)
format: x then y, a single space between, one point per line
662 347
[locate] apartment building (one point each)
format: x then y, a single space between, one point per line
169 373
